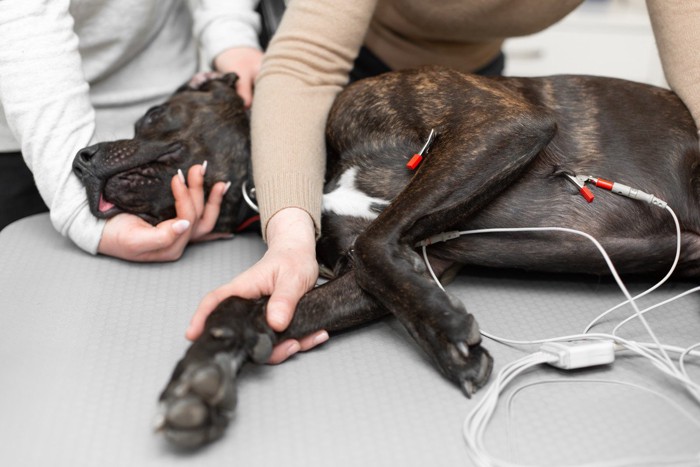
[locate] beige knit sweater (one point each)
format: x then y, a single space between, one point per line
308 62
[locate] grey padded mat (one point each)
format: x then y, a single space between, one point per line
87 343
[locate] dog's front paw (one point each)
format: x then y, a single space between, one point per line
198 402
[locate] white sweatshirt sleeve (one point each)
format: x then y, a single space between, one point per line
223 24
46 102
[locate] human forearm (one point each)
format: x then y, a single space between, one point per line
676 26
45 99
305 67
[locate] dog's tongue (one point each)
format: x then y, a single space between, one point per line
104 204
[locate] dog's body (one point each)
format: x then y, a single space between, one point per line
501 159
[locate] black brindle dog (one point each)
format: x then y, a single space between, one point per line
503 157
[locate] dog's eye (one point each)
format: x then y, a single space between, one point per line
153 118
153 114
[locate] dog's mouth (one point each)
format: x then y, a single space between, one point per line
136 190
100 206
106 209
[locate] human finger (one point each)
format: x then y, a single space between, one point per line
195 186
288 290
242 286
211 211
289 347
131 238
283 351
244 88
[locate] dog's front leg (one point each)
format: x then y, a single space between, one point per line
469 165
199 400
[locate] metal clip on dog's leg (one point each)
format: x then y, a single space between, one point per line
418 157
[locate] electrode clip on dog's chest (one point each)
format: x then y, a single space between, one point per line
580 182
418 157
615 187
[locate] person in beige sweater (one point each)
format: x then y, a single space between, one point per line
312 57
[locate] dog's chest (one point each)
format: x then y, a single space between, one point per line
345 198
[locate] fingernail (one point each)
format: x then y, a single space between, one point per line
228 185
181 175
292 348
320 338
180 226
204 167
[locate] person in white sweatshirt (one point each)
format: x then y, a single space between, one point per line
76 72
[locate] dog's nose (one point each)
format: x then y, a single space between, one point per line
86 154
82 163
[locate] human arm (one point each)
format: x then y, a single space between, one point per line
227 33
287 270
676 25
47 105
305 67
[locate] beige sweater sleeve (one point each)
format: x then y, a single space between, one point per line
305 67
676 25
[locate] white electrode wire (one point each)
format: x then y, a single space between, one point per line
657 285
663 362
602 251
688 351
660 304
647 460
476 422
478 419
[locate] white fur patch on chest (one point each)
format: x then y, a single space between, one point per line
347 200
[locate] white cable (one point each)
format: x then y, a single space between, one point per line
647 460
660 304
595 242
657 285
476 422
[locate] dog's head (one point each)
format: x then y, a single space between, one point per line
203 120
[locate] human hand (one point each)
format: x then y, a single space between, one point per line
245 62
129 237
285 273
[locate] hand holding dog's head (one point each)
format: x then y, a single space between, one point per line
203 120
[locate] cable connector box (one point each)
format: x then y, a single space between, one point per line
572 355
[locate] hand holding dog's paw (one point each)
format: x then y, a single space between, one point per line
129 237
286 272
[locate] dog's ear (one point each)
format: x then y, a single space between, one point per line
230 79
199 79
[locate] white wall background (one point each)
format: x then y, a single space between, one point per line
601 37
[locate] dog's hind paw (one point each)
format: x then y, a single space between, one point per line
454 343
476 372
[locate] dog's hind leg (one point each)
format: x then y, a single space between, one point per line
467 167
200 397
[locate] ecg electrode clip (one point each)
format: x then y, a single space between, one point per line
418 157
580 182
617 188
